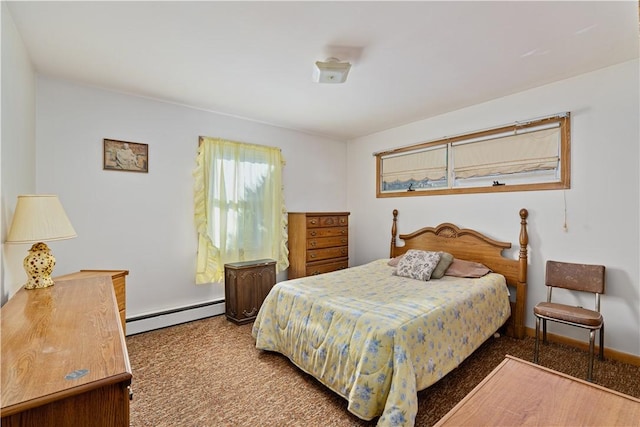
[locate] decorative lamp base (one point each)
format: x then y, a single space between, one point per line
38 265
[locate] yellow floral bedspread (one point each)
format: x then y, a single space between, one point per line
377 339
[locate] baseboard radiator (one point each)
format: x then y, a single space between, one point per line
175 316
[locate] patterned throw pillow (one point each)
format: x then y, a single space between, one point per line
418 264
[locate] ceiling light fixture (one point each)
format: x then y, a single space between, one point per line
331 71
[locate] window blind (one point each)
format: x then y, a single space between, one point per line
532 151
430 165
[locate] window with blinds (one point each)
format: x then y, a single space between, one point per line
531 155
421 169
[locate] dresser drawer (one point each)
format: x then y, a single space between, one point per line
123 319
327 221
327 242
314 269
320 254
327 232
120 291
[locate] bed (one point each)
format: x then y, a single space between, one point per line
377 338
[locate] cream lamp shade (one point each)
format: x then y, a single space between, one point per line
39 218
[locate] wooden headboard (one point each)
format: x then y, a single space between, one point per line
472 245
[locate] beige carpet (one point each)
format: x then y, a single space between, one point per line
209 373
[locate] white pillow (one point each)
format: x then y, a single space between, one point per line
418 264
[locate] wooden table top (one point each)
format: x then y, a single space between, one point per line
520 393
60 341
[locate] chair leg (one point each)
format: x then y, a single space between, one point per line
537 346
602 342
592 338
544 331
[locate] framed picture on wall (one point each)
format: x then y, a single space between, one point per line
125 156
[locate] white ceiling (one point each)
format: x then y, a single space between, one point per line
410 60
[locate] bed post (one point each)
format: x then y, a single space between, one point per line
521 289
394 231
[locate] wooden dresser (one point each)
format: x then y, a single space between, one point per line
118 277
246 285
318 242
64 356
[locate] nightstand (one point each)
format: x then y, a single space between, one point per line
246 284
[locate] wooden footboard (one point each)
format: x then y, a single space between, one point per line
472 245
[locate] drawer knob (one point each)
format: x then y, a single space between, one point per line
344 251
313 243
312 255
313 233
344 240
315 273
313 221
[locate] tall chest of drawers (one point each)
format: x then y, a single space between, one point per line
318 242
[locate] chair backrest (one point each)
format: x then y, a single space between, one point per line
578 277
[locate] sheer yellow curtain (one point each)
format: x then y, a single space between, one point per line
240 213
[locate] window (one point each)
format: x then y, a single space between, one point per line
239 206
532 155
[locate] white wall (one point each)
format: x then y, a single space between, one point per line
143 222
602 205
17 149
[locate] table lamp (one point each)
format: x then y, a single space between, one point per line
39 218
